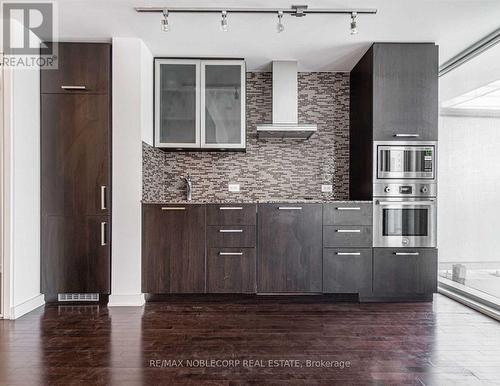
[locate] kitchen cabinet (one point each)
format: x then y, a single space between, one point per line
173 248
393 97
403 272
200 104
347 270
75 136
289 248
231 270
83 68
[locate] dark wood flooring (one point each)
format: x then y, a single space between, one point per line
443 343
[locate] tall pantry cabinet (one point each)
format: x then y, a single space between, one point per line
76 171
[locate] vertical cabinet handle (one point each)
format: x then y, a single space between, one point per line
103 197
104 240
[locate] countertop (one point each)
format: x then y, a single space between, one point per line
262 201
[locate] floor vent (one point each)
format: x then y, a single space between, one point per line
78 297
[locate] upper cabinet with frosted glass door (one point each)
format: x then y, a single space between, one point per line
200 104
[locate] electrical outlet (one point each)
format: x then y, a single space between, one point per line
234 187
326 188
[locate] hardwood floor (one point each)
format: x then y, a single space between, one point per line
443 343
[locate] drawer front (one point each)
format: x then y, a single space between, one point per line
404 271
231 270
347 270
231 236
232 214
347 236
347 213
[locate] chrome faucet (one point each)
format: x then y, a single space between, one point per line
189 186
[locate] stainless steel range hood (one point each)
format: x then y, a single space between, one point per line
285 115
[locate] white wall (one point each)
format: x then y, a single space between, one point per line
132 88
22 189
469 189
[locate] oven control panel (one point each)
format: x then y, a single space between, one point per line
405 190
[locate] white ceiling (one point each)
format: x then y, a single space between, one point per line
319 43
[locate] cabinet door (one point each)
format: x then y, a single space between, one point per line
75 254
289 248
404 271
347 270
75 154
173 249
223 104
177 103
231 270
405 91
82 68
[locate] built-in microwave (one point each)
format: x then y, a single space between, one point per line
404 222
413 160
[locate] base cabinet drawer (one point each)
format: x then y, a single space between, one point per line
231 236
231 270
347 213
404 271
347 270
231 214
347 236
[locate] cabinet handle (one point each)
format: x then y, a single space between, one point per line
103 234
407 135
173 208
406 253
349 208
348 230
74 87
290 208
230 230
103 197
230 253
348 253
231 208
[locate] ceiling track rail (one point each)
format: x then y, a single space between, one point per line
470 52
295 10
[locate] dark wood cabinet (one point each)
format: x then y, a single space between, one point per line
393 97
347 236
82 68
347 270
75 140
75 136
76 254
405 91
231 236
404 271
231 270
289 248
173 249
231 214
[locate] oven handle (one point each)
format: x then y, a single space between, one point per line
408 203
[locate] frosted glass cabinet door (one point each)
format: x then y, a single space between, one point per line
177 103
223 104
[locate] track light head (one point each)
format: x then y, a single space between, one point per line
280 27
223 22
165 27
354 25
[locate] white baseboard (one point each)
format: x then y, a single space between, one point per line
27 306
132 300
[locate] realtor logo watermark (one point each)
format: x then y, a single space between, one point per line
27 27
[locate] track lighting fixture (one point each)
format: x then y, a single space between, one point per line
298 11
354 25
223 22
280 27
164 22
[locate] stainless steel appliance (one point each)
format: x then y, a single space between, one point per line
411 160
404 222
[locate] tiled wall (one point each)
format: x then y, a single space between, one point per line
269 169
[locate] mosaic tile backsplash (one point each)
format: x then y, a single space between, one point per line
270 169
